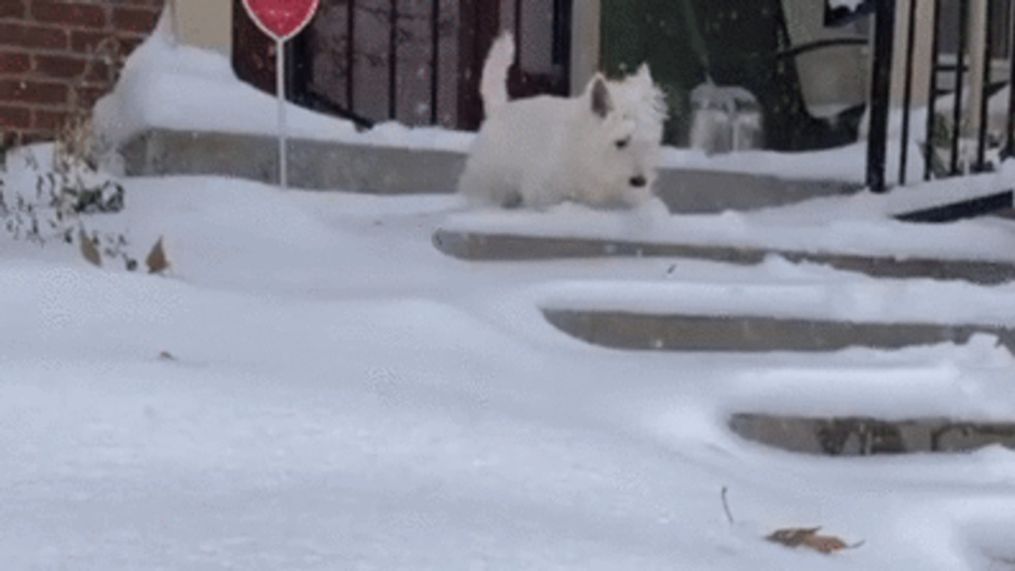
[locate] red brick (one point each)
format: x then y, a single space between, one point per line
12 8
129 43
85 97
8 139
98 71
84 42
29 36
46 93
14 118
59 67
139 20
46 120
69 13
14 63
29 136
151 4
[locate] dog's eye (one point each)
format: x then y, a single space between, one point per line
622 144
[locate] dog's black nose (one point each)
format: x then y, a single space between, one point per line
638 181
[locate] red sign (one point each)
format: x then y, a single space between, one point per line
281 19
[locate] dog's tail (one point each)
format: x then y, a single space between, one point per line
493 87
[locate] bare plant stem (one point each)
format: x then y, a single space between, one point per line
726 506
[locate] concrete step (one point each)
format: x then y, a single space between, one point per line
508 247
313 165
752 334
864 436
385 169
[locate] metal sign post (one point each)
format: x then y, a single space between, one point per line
283 138
281 20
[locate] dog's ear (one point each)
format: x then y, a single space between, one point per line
602 102
645 74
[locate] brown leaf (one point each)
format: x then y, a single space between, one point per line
808 537
88 249
825 543
157 261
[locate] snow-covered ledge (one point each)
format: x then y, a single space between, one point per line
313 164
317 164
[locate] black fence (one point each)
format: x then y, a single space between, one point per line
951 147
417 62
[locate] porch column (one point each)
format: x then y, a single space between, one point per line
922 45
585 43
977 43
203 23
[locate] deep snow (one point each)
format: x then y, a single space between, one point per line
341 396
314 386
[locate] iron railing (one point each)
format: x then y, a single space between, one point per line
949 141
473 23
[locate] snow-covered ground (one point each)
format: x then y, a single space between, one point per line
342 396
314 386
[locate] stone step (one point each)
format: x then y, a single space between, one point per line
509 247
864 436
385 169
752 334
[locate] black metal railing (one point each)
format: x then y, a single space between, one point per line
397 25
881 92
949 142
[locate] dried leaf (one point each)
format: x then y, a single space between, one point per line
825 543
808 537
156 260
88 249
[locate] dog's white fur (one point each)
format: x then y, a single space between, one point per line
599 148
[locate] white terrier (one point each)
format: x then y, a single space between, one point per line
599 148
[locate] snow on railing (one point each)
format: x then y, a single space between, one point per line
970 117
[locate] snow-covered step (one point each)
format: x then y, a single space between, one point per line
393 160
862 436
806 317
741 334
313 164
479 246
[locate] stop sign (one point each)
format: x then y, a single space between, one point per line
281 19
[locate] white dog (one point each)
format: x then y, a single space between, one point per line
599 148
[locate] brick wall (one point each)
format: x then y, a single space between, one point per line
58 57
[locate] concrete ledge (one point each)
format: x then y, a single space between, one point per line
504 247
862 436
693 191
743 334
323 165
314 165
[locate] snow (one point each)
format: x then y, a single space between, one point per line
314 386
340 395
174 86
851 5
880 301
